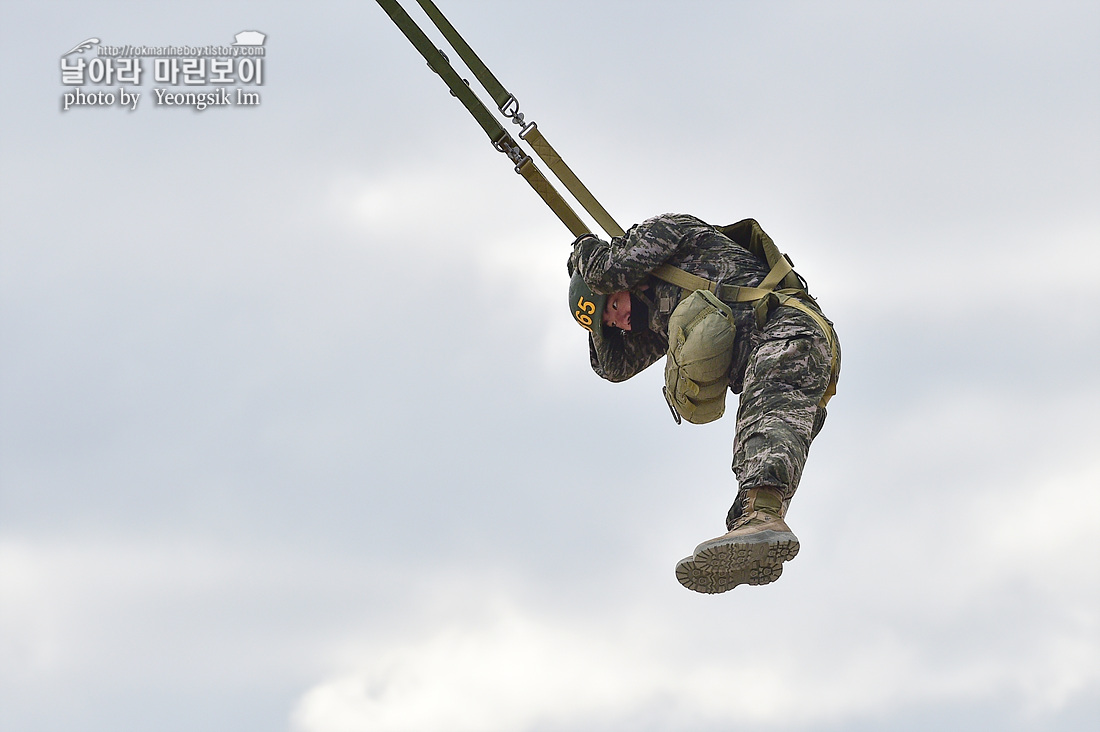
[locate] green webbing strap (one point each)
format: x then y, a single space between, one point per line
509 106
759 295
830 335
500 138
573 184
728 293
781 269
499 94
552 198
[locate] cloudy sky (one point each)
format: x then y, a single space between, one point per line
297 434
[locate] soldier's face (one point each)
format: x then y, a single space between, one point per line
616 312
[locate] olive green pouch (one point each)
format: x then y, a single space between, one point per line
700 350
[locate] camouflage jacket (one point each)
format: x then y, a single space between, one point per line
627 263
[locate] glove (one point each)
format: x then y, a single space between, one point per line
571 264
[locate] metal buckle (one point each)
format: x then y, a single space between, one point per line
510 109
514 152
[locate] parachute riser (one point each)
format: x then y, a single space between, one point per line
504 143
508 105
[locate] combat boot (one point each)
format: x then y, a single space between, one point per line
758 540
695 577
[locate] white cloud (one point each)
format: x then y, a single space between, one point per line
515 670
503 674
907 628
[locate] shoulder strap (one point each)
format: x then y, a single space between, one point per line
728 293
751 236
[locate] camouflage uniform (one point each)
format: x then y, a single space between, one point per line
781 369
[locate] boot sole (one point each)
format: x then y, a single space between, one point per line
695 577
727 555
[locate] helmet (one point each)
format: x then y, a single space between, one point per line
586 306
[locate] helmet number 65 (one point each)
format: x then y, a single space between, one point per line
585 310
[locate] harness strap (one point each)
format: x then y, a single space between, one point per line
764 296
830 335
500 138
728 293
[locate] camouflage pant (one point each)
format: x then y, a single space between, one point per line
786 374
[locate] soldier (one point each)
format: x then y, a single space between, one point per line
664 275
